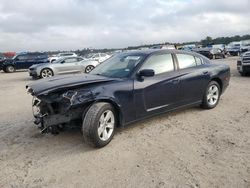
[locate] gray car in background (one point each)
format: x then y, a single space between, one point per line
64 65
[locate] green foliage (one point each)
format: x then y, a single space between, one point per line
223 40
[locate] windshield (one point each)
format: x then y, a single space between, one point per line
57 61
119 66
89 55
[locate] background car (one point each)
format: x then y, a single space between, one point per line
89 65
211 53
126 88
64 65
100 57
243 64
245 46
2 59
24 61
234 48
60 55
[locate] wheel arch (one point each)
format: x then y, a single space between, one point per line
219 81
114 104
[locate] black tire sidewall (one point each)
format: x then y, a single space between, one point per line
89 66
8 69
93 138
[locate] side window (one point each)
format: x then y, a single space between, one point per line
32 56
185 61
70 60
22 57
159 63
198 61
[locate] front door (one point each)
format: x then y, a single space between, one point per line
21 61
158 93
69 65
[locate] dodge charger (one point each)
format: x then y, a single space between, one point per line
126 88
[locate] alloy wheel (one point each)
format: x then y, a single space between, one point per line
106 125
89 68
46 73
11 69
212 95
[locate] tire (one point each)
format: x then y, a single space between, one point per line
9 69
89 68
211 96
46 73
243 73
94 132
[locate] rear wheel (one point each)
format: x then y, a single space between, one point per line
9 69
89 68
99 124
211 96
243 73
46 73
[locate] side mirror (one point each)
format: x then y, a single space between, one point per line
146 73
62 62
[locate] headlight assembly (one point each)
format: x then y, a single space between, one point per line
78 97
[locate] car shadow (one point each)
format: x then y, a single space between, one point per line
165 116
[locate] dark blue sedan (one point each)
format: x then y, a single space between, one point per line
126 88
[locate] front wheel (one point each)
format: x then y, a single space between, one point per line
46 73
211 96
89 68
9 69
99 124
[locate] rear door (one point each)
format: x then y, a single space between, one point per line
158 93
194 76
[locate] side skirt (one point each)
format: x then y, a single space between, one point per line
166 111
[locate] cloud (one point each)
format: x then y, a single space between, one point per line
32 25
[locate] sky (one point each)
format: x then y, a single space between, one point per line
44 25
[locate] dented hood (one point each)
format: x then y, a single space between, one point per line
56 83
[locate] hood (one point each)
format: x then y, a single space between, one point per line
8 60
63 82
39 65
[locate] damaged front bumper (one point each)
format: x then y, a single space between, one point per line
55 110
50 123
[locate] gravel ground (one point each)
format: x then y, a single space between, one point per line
187 148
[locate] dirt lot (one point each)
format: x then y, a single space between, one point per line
188 148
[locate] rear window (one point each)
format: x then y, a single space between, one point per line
186 61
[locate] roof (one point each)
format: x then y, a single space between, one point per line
153 51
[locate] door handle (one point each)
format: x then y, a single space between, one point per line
205 72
